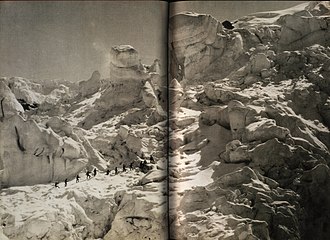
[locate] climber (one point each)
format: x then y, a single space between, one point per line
88 175
77 178
131 166
145 162
94 172
65 182
108 172
116 170
124 168
56 184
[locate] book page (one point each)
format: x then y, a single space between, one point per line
249 119
83 115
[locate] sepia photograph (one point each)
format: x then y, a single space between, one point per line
83 120
154 120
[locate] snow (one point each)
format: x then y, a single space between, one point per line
188 112
79 114
45 203
34 201
270 17
191 175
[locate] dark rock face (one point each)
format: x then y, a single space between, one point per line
228 25
314 192
26 106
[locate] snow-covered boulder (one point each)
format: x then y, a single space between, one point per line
220 207
300 31
277 153
264 130
9 104
236 152
198 47
31 154
260 62
191 33
215 114
26 90
153 176
218 92
136 219
188 28
63 128
57 213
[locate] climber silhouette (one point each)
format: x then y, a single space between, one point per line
145 162
116 170
131 166
65 182
124 168
88 175
77 178
56 184
108 172
94 172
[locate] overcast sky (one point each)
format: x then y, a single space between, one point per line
72 39
69 40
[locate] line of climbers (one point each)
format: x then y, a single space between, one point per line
142 167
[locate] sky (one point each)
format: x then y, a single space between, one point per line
70 39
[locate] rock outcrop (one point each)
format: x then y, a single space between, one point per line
91 86
125 65
129 86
